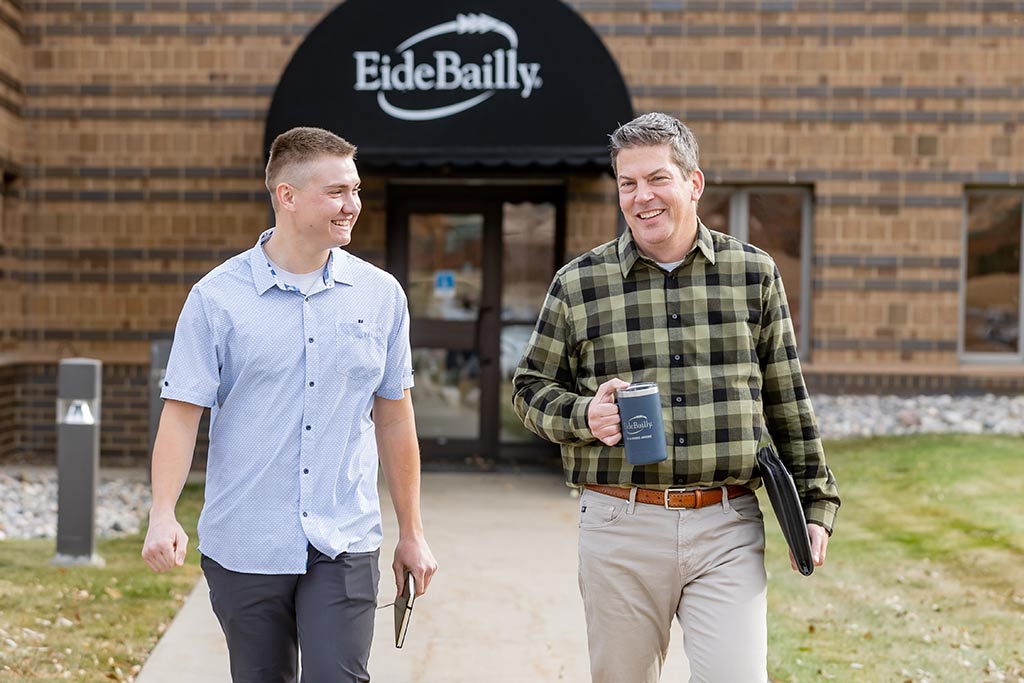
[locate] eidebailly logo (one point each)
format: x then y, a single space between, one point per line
637 424
447 70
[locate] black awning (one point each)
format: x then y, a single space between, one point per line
486 157
464 83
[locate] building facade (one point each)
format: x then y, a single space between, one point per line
873 147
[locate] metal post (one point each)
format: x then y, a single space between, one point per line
78 458
159 354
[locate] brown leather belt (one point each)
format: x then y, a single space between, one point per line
673 499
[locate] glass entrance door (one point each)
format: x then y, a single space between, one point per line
451 315
475 263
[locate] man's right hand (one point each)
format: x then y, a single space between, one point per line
603 413
166 544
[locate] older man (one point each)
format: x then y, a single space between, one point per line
705 317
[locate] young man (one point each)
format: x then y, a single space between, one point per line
705 317
292 344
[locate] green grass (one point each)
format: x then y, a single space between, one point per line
923 580
88 624
923 577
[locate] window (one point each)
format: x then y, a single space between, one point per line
991 296
777 220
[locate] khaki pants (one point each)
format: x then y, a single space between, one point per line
641 565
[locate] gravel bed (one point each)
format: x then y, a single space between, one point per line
28 503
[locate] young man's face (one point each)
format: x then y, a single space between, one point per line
327 204
658 202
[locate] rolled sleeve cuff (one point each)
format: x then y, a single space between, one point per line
396 392
822 513
578 420
184 396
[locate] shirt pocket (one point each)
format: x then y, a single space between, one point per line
361 352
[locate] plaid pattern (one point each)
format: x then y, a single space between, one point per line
716 336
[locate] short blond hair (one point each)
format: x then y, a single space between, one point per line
298 147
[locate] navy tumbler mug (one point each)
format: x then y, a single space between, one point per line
643 432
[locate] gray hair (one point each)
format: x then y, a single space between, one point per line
653 129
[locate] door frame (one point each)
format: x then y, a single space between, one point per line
410 197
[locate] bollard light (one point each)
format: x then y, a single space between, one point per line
78 458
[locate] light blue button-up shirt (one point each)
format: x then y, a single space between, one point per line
291 380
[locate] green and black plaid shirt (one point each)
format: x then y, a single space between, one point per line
716 336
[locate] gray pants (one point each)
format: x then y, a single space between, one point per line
642 565
328 611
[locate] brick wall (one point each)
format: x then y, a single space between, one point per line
885 111
146 128
135 132
10 427
12 139
28 430
592 213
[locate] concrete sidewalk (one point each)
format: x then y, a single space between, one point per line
504 606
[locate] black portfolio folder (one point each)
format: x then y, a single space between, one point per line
788 509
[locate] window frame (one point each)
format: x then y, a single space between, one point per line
739 219
988 357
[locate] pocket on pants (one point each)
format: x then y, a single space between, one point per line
598 511
746 508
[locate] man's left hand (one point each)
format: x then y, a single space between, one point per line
819 543
413 554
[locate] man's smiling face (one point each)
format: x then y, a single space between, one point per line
658 201
327 205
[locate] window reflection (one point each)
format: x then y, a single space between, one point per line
447 394
445 274
513 344
528 264
528 258
775 220
992 291
713 208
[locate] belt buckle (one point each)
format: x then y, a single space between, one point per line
696 502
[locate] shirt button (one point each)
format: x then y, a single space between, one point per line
307 299
310 340
679 399
676 357
682 440
305 470
308 427
305 514
675 316
312 383
167 384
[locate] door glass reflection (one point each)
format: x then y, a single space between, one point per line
527 266
513 343
445 274
527 259
446 397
